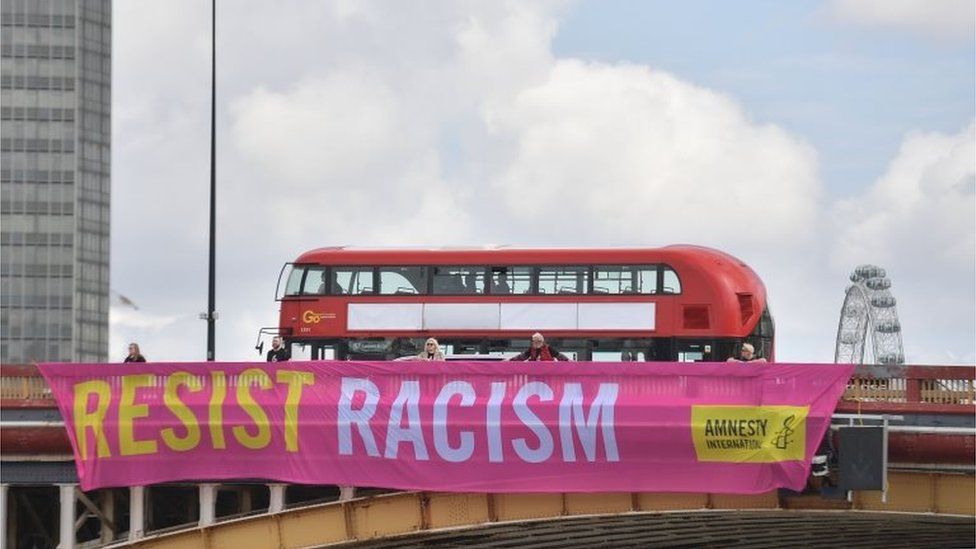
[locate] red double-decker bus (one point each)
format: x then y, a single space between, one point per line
684 303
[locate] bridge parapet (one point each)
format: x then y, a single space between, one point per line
916 389
873 388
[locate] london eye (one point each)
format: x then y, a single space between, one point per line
869 331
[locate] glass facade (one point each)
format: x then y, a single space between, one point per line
55 141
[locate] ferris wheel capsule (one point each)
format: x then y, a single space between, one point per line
878 283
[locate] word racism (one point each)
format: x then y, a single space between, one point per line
459 426
358 425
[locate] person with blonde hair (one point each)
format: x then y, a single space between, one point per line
746 354
432 351
135 355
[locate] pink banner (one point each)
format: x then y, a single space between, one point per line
451 426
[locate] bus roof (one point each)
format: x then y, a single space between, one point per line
338 255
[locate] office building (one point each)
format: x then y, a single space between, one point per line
55 180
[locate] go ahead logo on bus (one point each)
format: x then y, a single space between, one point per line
311 317
749 434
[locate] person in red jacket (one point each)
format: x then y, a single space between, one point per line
539 350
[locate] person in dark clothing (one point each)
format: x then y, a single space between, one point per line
134 354
500 284
278 351
539 350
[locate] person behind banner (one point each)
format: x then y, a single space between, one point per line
278 352
432 351
134 354
539 350
746 354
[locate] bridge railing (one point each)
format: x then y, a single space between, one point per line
21 386
889 388
912 389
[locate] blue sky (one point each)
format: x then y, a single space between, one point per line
850 91
802 137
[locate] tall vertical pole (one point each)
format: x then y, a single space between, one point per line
3 516
211 312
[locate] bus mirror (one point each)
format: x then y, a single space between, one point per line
260 347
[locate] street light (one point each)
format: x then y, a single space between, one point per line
211 314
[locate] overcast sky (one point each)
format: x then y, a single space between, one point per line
803 137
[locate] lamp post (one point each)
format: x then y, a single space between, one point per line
211 314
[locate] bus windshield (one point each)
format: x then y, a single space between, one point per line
293 285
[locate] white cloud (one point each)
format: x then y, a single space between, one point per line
640 155
323 130
126 317
936 19
922 209
919 222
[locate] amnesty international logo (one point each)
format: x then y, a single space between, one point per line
749 434
785 436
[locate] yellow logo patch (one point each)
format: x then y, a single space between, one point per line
312 317
749 434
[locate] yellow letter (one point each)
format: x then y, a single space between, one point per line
130 411
171 398
218 382
85 419
253 409
296 382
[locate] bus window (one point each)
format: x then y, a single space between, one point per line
623 279
316 282
352 280
511 280
403 280
459 280
562 280
294 284
671 283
